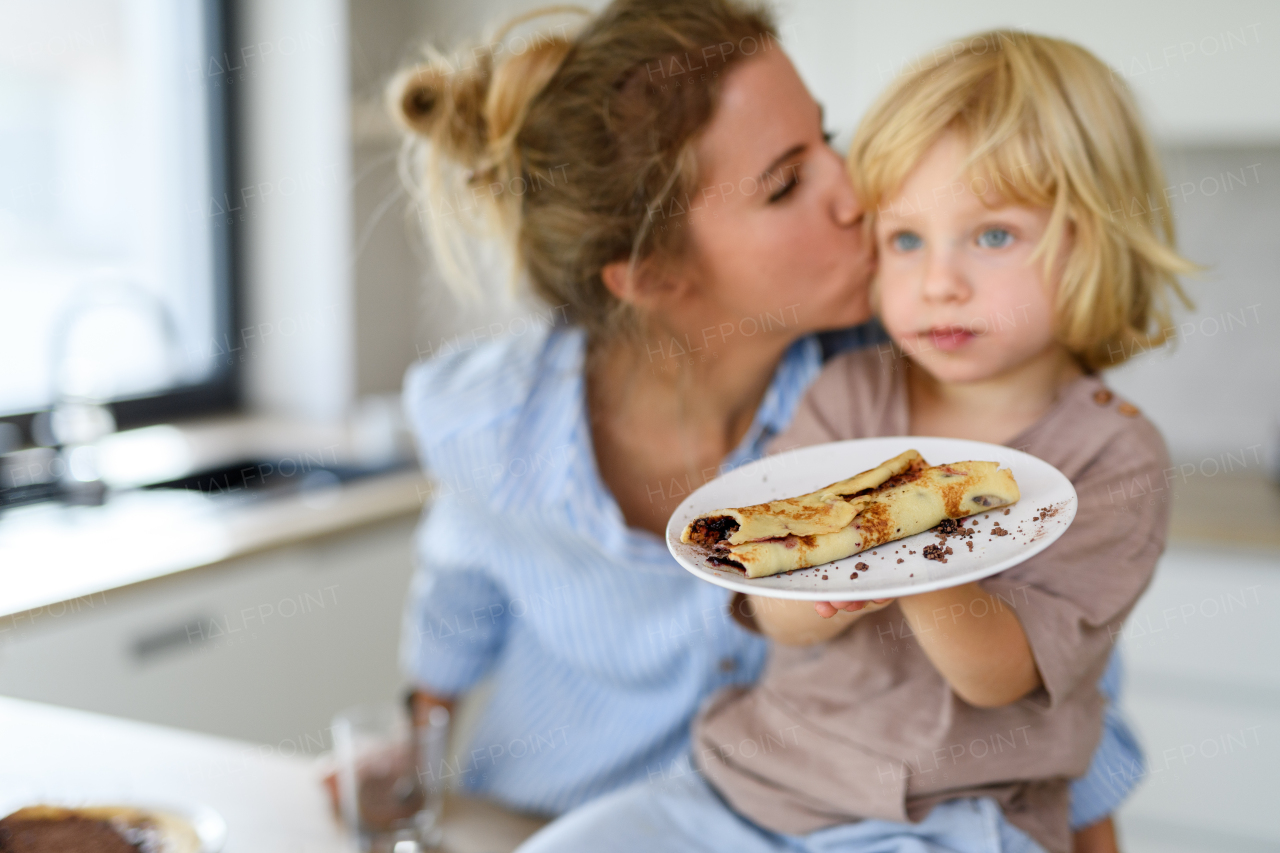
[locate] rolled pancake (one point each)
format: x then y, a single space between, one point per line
903 505
826 510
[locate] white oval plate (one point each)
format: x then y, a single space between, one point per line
801 471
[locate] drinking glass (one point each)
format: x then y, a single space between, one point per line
389 798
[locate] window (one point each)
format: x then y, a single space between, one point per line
115 267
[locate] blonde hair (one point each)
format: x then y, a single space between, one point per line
570 144
1047 124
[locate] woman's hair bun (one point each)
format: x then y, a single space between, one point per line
418 99
445 104
470 105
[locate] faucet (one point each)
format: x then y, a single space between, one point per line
79 416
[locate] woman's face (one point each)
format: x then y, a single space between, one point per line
776 246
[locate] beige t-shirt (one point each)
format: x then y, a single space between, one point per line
863 726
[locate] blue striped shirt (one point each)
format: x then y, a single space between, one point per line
600 647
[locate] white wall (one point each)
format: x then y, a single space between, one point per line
296 341
1202 71
1217 390
403 310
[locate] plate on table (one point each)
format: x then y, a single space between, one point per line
165 828
1047 507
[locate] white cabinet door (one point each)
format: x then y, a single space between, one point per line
264 648
1203 690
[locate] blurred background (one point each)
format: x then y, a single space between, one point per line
212 282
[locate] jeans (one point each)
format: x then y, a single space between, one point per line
685 815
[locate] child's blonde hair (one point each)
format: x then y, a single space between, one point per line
1047 124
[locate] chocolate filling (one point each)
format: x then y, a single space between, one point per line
708 531
727 561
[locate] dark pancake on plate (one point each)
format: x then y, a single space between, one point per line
102 829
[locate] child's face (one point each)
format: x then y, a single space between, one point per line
958 289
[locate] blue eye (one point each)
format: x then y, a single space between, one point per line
906 241
994 238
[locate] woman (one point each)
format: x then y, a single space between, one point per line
664 177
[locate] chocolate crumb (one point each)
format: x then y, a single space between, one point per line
899 559
937 552
999 531
873 553
911 552
1006 512
970 544
862 567
824 577
853 576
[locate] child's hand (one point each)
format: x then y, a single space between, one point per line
827 609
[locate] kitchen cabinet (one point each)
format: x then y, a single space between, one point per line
1203 692
263 647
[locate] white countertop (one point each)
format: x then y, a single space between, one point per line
51 553
271 802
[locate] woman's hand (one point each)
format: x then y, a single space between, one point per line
827 609
419 704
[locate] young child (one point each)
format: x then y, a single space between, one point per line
1010 273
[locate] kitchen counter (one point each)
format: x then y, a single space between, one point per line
1240 509
50 553
272 802
228 613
